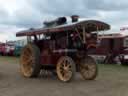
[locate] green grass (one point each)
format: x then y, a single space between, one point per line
112 67
9 59
113 71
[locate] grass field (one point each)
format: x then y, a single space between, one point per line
9 59
112 80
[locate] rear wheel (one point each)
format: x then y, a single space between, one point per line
65 69
30 61
88 68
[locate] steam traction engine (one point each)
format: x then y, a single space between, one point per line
61 48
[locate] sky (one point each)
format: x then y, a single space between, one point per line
16 15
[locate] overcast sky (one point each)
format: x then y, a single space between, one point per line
17 15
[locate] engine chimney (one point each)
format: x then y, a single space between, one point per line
74 18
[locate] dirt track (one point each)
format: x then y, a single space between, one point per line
112 81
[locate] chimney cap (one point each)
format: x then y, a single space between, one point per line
75 16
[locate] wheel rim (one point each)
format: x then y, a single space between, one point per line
27 62
88 69
65 69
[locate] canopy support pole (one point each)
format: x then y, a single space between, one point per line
78 33
84 38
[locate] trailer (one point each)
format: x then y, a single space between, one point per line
114 48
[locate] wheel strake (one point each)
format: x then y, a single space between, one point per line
65 68
88 68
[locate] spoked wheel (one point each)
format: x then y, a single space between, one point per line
65 69
88 68
29 61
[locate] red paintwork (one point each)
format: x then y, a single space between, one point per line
2 48
6 49
116 48
63 40
48 56
105 45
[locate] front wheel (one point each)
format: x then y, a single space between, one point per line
88 68
30 61
65 69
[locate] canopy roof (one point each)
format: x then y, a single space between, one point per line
90 25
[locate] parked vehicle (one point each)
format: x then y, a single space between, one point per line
63 49
114 47
17 50
2 48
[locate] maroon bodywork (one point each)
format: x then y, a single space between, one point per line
112 46
59 41
2 48
6 49
61 48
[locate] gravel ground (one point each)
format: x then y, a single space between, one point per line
111 81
